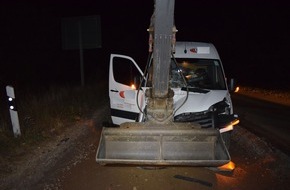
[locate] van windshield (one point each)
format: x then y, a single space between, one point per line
198 73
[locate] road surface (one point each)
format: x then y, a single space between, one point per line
269 120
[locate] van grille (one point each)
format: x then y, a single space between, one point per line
205 119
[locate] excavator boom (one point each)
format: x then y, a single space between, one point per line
163 25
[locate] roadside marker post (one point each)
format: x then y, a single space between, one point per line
13 111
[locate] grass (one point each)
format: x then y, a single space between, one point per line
46 113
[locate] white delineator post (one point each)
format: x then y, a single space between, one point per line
13 111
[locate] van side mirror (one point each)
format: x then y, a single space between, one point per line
232 85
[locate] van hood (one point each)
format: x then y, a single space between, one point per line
198 102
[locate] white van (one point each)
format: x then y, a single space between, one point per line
201 92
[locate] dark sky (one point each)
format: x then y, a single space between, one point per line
252 37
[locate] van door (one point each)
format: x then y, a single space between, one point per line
124 79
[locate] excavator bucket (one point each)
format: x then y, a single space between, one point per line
173 144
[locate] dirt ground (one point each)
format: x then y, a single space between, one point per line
68 162
29 165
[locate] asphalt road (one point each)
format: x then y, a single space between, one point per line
268 120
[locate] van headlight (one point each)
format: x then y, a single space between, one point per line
222 107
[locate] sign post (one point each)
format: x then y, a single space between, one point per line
13 111
80 33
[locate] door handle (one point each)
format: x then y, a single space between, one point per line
114 90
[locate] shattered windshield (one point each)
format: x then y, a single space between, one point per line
198 73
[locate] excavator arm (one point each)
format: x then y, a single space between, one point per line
162 49
162 31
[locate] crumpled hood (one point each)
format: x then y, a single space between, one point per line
198 102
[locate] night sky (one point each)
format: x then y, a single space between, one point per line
252 37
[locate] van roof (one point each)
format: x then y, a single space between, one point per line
195 50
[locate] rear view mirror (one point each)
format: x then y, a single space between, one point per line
232 85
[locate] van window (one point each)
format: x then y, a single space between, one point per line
200 73
125 72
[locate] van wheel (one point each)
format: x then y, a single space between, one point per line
227 139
